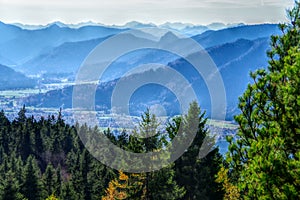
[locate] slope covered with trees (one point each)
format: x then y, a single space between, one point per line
42 158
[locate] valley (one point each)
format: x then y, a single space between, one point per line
42 64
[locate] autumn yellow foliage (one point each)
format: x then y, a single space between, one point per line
231 191
117 188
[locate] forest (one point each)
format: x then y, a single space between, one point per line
44 158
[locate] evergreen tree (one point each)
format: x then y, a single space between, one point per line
264 159
99 177
68 192
152 185
10 188
195 174
58 182
49 180
84 170
164 186
4 130
31 187
22 115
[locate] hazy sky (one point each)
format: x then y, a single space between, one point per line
156 11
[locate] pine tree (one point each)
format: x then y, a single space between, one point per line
264 158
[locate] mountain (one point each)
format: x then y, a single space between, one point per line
65 58
6 61
68 57
218 26
248 32
29 26
133 25
151 94
8 32
20 45
234 61
175 25
194 30
235 51
185 28
10 79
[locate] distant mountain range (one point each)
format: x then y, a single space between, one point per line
21 45
179 26
60 49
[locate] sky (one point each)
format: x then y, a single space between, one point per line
156 11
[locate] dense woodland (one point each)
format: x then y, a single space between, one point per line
44 158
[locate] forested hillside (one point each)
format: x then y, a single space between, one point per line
44 157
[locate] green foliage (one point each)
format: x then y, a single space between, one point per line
45 158
31 187
49 180
10 188
152 185
264 159
196 174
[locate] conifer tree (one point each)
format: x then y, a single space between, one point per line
31 186
58 181
49 180
68 192
9 188
196 174
263 160
158 184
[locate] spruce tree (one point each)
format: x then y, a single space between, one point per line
196 174
68 192
49 180
58 182
10 188
157 184
84 170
